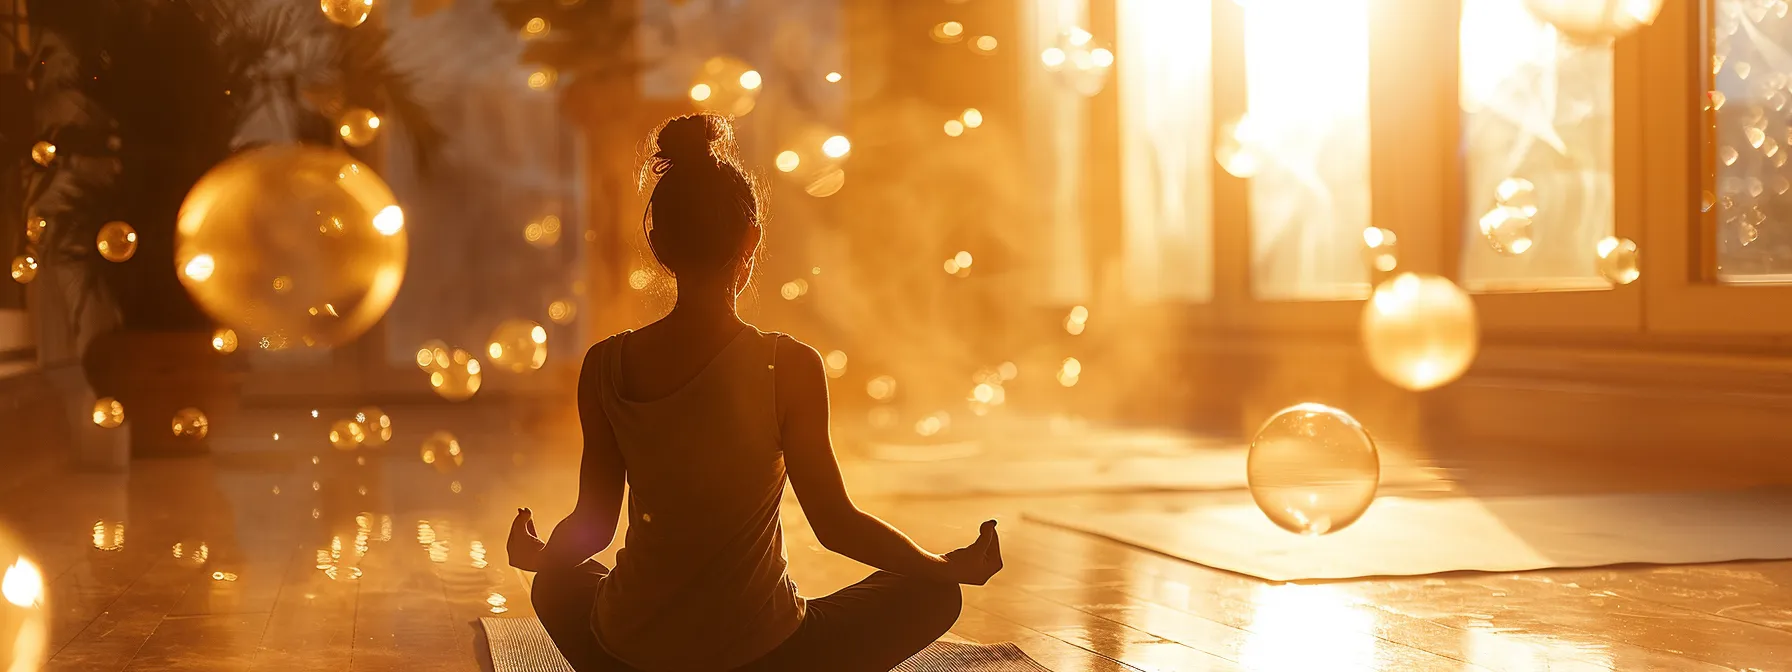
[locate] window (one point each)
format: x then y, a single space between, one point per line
1166 119
1537 124
1750 71
1307 123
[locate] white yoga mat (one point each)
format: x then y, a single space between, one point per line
1411 537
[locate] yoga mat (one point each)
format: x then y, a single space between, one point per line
521 645
1411 537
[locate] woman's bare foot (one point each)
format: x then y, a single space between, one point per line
524 547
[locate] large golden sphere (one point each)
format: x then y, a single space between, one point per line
1420 331
518 345
1312 469
24 616
291 243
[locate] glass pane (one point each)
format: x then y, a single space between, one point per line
1307 102
1537 143
1166 122
1752 68
1055 119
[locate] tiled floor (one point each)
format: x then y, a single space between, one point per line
372 560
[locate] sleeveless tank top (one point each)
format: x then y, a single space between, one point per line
700 582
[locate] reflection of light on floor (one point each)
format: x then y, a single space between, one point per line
1501 649
1302 628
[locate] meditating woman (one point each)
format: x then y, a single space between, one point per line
701 414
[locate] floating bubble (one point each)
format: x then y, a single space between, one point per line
1507 230
1312 469
518 345
432 355
562 311
346 434
358 127
290 243
190 423
116 241
24 268
1618 260
43 153
1419 331
224 340
459 379
1381 250
108 413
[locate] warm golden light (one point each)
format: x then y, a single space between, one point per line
459 379
836 146
224 341
442 451
375 425
835 361
833 77
34 230
1317 627
23 585
108 537
542 79
1618 260
248 245
972 117
954 127
536 27
1052 57
190 423
700 92
963 259
726 85
562 311
358 127
948 32
117 241
1069 372
346 434
1312 469
108 413
881 388
984 44
43 153
788 161
24 268
347 13
1420 331
1101 57
1595 21
750 79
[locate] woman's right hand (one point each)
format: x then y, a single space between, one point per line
974 564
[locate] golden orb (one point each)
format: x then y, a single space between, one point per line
34 230
442 451
346 434
722 85
1420 331
563 311
460 379
224 340
190 423
358 127
518 345
432 355
1618 260
1312 469
117 241
43 153
24 268
108 413
376 426
292 243
347 13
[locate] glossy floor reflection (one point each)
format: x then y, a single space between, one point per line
291 555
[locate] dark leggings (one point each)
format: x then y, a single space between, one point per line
870 626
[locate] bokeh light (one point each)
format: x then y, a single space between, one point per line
43 153
836 146
954 127
190 423
358 127
1237 148
289 243
108 412
984 44
1420 331
24 614
24 268
347 13
536 27
972 117
750 79
1595 21
562 311
224 340
346 434
1381 249
34 230
376 426
518 345
432 355
543 79
947 32
1313 469
117 241
1082 65
720 85
835 362
1618 260
1070 371
833 78
459 379
881 388
442 451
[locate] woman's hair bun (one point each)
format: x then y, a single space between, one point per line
688 140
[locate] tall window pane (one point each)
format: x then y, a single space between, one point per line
1307 101
1751 63
1166 124
1537 142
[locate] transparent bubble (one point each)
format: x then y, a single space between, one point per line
1313 469
563 311
1420 331
347 13
345 434
1507 230
376 426
459 378
117 241
518 345
190 423
224 341
289 243
358 127
108 413
1618 260
442 451
24 268
1517 193
43 153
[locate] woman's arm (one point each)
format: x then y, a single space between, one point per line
592 525
802 397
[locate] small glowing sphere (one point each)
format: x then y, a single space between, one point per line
726 85
536 27
954 128
544 233
43 153
376 426
1507 230
947 32
788 161
290 243
34 230
347 13
835 361
117 241
1070 372
460 379
442 451
1381 249
984 44
1618 261
836 146
972 117
24 612
108 413
190 423
833 77
543 79
1517 193
432 356
224 340
1419 331
518 345
346 434
1312 469
881 388
963 259
1052 57
562 311
1080 64
1236 148
358 127
1595 21
24 268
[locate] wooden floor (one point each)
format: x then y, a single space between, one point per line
371 560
